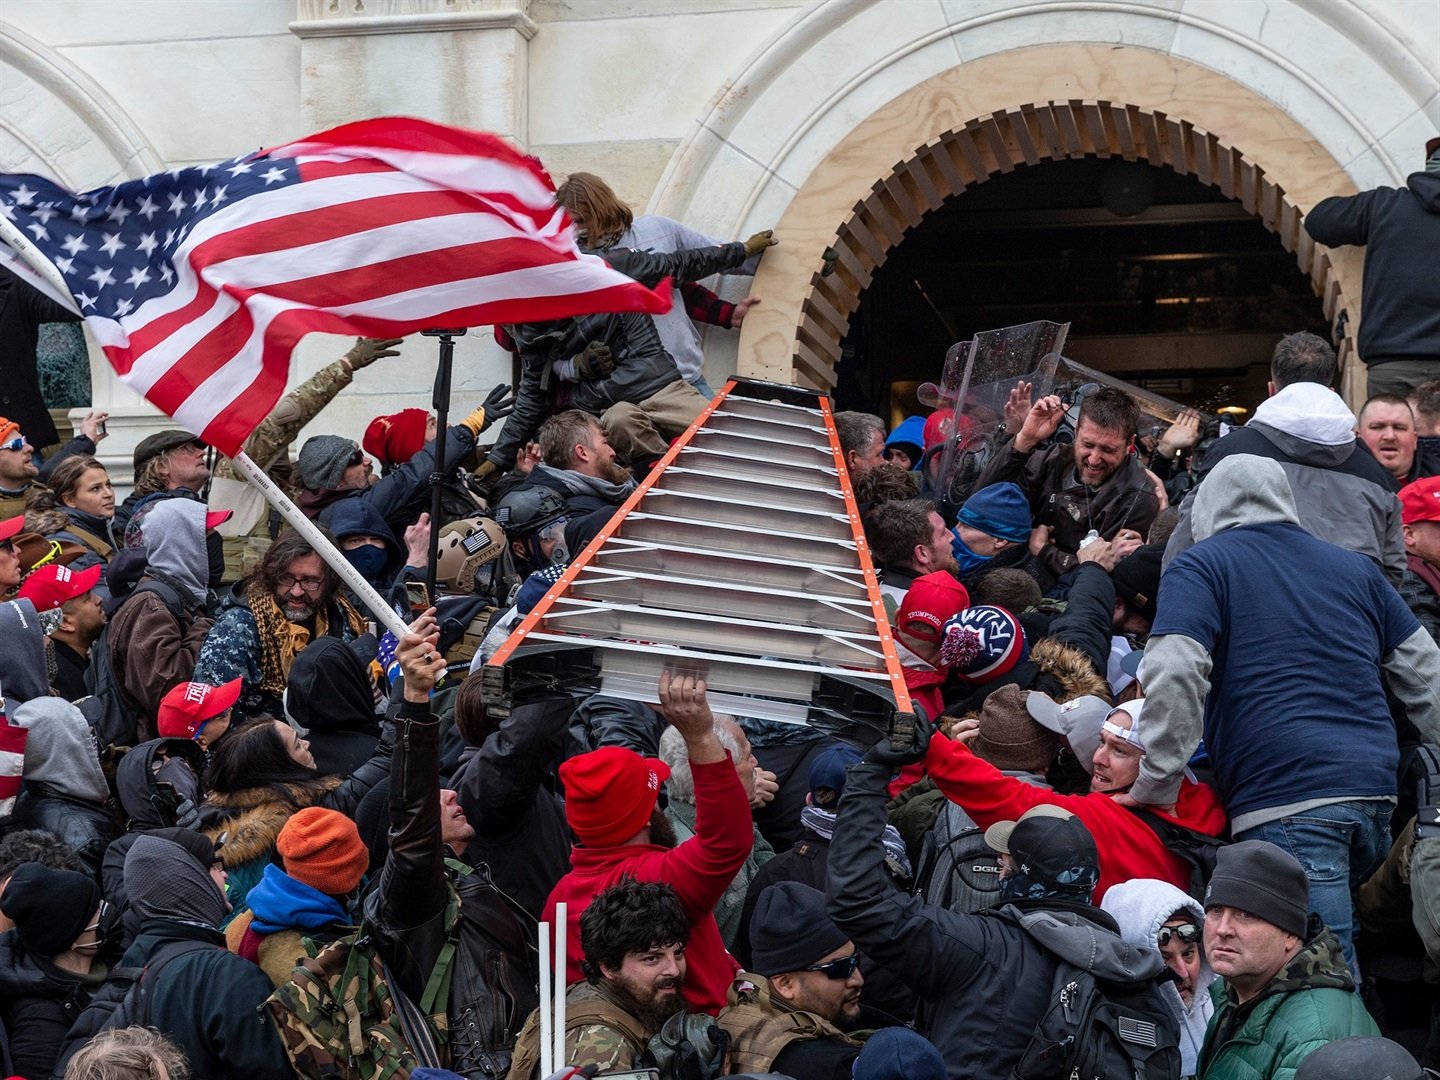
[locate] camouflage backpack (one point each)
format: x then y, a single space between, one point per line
341 1015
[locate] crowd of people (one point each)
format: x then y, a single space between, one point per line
1171 807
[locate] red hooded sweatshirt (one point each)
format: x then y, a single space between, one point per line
700 870
1128 847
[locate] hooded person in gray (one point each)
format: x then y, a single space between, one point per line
154 637
1279 648
24 671
65 791
197 992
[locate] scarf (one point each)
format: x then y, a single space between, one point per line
1425 572
822 823
282 640
967 560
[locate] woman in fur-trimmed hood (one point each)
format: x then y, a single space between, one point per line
259 777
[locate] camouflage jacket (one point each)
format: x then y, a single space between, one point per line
271 440
598 1031
1311 1002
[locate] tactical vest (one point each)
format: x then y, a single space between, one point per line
585 1005
760 1026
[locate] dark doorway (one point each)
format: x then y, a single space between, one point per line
1166 282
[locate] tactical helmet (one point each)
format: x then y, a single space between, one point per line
464 547
528 510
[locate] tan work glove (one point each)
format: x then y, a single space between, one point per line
367 350
759 242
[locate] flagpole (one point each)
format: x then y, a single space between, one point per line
384 614
440 401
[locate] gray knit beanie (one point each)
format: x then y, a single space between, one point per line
323 461
1264 880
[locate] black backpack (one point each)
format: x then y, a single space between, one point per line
1098 1029
113 715
123 1001
1197 849
956 869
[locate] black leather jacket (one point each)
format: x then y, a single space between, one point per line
494 973
86 828
642 366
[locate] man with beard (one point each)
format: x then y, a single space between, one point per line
633 938
267 619
790 1015
610 802
578 464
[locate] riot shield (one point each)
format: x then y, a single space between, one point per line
974 385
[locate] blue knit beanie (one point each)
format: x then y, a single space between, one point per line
1000 510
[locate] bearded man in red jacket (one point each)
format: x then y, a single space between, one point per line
610 802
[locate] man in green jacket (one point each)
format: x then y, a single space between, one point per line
1286 988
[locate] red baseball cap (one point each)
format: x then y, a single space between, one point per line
1419 501
188 707
51 586
931 601
610 793
216 518
10 526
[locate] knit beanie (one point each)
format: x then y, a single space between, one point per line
610 793
9 429
790 929
323 461
396 438
322 848
897 1053
983 643
50 908
1257 877
1009 738
1000 510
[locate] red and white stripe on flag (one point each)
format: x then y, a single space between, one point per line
12 764
381 228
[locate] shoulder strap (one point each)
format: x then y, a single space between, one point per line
166 593
171 950
102 547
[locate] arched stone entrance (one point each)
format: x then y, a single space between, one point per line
996 144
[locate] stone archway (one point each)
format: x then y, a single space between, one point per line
997 143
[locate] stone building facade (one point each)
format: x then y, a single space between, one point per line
840 123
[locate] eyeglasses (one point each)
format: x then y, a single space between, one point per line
99 928
840 969
309 584
1188 933
17 443
357 458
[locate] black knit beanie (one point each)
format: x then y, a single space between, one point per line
790 930
50 908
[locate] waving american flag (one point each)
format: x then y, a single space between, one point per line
198 282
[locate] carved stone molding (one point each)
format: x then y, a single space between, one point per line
358 18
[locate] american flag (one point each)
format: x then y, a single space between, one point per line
197 283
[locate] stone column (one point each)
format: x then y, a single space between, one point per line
460 62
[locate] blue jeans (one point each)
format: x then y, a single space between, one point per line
700 384
1339 845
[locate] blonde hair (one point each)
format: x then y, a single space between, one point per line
596 209
129 1053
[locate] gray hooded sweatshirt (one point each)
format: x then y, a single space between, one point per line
175 546
1140 907
1247 490
60 750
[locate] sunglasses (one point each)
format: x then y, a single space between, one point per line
838 969
17 443
1188 933
49 557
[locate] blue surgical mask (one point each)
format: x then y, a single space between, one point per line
966 558
369 560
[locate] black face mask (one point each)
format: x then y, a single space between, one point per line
215 556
